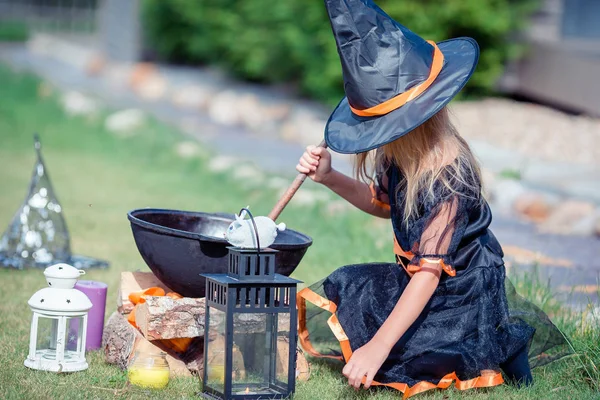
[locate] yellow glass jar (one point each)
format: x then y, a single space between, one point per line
149 370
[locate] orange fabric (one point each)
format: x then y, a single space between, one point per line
138 297
303 336
403 98
400 251
489 380
179 345
447 268
376 201
411 269
174 296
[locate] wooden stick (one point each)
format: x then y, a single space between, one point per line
290 192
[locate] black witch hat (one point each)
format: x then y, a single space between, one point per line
394 80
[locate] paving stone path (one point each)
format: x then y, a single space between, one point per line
570 263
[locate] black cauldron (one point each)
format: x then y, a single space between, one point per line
178 246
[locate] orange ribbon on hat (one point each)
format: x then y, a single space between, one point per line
180 345
398 101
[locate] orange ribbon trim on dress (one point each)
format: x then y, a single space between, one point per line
136 298
398 101
488 380
411 269
376 201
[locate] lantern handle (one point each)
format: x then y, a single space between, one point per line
81 272
255 228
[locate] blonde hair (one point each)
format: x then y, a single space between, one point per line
432 152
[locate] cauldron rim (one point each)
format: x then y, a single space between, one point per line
227 217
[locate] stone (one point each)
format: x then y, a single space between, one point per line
140 73
126 122
222 163
248 173
162 317
533 207
117 76
153 88
146 81
586 226
277 112
95 65
191 97
535 131
250 112
132 282
304 127
311 131
288 131
77 104
188 149
570 217
223 108
505 192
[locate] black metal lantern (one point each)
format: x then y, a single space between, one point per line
250 329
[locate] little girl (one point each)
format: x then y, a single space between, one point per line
444 312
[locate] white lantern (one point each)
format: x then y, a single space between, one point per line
58 326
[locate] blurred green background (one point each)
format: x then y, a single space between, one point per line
291 41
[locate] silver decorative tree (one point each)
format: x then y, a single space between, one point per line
37 235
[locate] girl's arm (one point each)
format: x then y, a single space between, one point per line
367 360
355 192
435 239
316 163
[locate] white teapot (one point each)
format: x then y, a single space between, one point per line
240 232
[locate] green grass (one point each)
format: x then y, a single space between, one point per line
98 177
13 31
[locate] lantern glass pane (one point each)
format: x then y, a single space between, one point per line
283 348
216 350
73 336
47 335
260 340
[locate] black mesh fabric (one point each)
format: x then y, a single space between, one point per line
474 321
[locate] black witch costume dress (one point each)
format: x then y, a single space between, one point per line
475 324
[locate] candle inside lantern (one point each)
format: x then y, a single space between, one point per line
96 292
247 391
